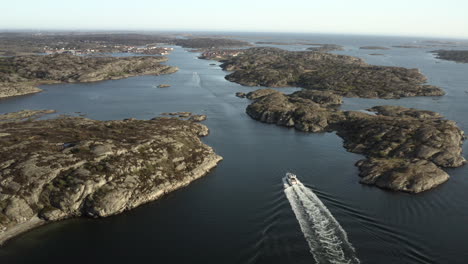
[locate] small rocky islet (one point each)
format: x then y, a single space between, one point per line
326 48
72 166
374 48
405 148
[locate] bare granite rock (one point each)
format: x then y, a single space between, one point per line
374 48
460 56
71 166
401 174
179 114
405 148
413 136
326 47
344 75
240 94
260 93
22 74
24 115
299 110
197 118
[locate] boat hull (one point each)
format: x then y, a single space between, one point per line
289 180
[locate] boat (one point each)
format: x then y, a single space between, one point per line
290 180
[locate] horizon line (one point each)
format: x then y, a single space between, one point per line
83 30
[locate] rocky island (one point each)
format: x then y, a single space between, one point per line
326 47
70 166
208 43
219 54
408 46
21 74
405 148
316 46
344 75
30 43
374 48
452 55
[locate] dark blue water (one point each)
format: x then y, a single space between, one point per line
239 212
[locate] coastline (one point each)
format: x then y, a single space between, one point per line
322 163
34 88
111 68
20 229
210 162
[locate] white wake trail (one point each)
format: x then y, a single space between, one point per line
327 240
196 79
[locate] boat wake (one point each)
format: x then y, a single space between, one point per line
196 79
327 240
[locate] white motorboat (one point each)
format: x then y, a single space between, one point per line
290 180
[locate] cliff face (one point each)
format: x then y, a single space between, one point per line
20 75
344 75
66 167
405 148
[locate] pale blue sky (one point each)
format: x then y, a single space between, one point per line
448 18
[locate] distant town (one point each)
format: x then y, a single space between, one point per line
148 50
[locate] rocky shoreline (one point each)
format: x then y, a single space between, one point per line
344 75
460 56
326 48
405 148
21 75
373 48
76 167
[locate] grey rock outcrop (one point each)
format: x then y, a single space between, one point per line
405 148
240 94
344 75
22 74
71 166
197 118
401 174
299 110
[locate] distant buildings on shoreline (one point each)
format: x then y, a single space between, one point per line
148 50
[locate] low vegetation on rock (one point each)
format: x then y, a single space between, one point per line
71 166
20 75
326 48
207 43
374 48
405 148
344 75
452 55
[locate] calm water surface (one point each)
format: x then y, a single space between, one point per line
239 213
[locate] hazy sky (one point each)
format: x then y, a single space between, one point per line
448 18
